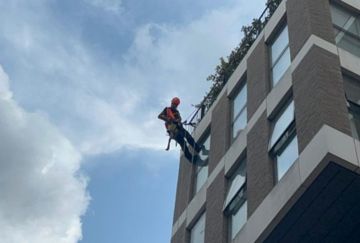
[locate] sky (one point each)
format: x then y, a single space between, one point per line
82 154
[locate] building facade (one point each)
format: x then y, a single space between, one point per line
283 136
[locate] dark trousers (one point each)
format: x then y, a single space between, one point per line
181 138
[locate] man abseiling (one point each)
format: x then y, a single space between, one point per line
176 131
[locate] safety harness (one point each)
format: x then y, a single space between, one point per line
171 127
174 128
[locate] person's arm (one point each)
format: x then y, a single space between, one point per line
162 116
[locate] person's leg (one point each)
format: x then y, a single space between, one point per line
193 159
181 141
191 141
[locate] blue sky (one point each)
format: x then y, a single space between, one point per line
81 84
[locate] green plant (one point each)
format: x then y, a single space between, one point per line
227 66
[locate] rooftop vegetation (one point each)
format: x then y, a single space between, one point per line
227 66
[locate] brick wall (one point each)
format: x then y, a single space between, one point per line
215 227
307 17
319 99
259 166
184 186
319 95
258 77
220 132
181 236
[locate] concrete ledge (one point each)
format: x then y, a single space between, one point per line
278 93
203 125
353 3
313 40
177 225
233 82
254 45
235 151
327 145
349 61
268 211
274 21
327 141
256 116
196 207
215 172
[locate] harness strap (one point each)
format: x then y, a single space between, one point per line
170 113
171 127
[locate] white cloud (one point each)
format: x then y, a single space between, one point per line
100 106
112 129
4 85
42 197
114 6
105 106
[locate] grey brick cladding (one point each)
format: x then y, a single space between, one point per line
307 17
181 236
215 225
184 187
319 99
258 77
319 95
220 131
259 166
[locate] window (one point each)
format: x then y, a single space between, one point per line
347 29
352 90
197 233
239 112
354 115
283 144
201 172
280 56
235 206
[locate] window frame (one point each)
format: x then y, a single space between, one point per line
200 169
339 29
235 201
202 219
354 111
351 83
235 117
285 138
240 206
282 27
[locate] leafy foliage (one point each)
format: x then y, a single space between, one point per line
224 70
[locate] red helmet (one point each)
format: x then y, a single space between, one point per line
175 101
